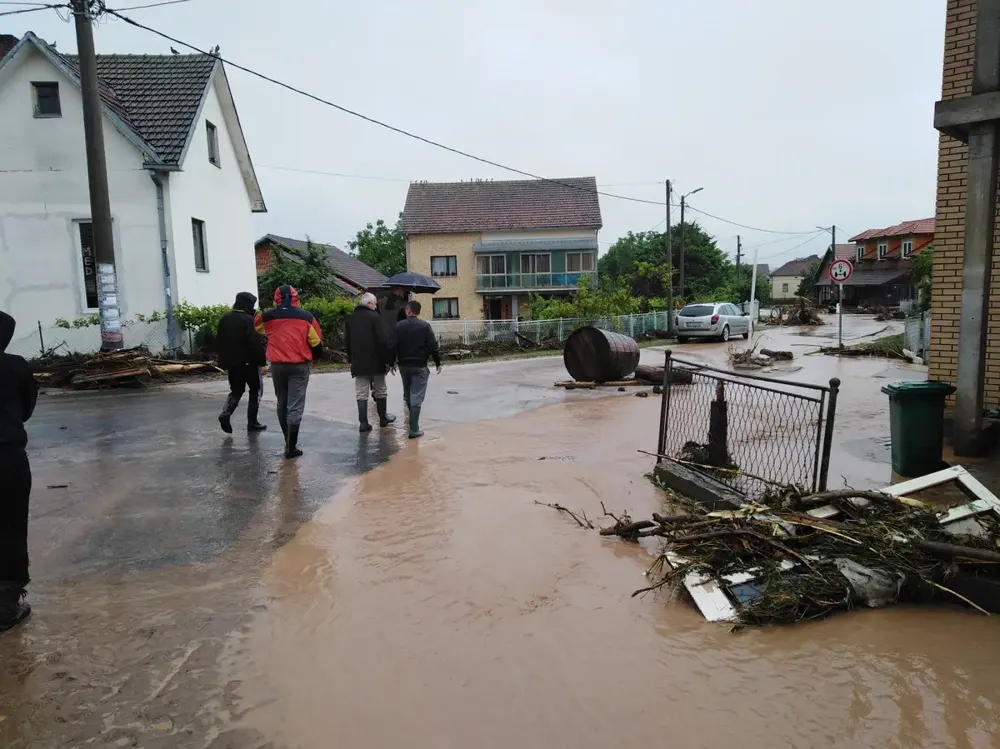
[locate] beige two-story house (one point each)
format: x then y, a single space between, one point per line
491 244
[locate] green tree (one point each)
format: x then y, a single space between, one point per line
309 272
807 281
923 276
380 247
609 298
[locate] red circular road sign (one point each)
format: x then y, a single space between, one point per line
841 270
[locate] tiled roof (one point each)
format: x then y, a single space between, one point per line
447 207
845 251
796 267
158 96
868 277
763 270
917 226
349 267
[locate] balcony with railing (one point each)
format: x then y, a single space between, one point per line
531 281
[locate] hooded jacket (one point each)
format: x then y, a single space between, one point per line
293 335
237 341
18 391
368 346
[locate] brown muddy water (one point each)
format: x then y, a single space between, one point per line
434 604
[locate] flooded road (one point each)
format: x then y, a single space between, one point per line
197 591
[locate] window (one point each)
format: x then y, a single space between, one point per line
446 309
535 263
784 288
88 255
861 252
491 265
200 248
47 100
883 248
907 247
213 143
444 265
579 262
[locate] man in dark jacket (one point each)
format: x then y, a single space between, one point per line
294 342
369 352
18 393
415 344
241 354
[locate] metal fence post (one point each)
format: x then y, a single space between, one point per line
661 447
41 339
831 412
559 329
465 332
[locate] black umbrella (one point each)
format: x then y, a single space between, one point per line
415 282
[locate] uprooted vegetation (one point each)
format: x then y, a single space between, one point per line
888 347
785 565
801 312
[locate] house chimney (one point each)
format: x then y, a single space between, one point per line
7 42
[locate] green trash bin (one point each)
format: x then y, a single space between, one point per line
916 422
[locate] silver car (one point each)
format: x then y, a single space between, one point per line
719 320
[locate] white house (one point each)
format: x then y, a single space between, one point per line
181 182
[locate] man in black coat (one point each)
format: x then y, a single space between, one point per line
241 353
415 344
18 393
370 353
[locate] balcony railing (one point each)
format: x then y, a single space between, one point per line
518 281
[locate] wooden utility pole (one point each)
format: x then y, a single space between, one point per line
738 248
670 265
97 178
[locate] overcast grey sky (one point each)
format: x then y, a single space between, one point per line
790 113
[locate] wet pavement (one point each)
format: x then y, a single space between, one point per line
195 590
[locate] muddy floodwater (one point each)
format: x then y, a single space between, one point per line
425 599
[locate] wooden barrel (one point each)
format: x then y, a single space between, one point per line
595 355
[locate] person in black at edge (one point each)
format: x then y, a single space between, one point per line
18 393
241 353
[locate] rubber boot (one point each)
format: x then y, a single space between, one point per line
256 427
292 442
253 425
225 423
13 610
363 416
283 423
415 430
384 418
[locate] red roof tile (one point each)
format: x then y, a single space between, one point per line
917 226
443 207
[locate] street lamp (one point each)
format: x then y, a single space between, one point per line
681 279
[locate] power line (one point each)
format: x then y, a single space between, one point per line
744 226
31 10
155 5
406 133
814 236
332 174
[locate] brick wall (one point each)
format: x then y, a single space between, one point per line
959 46
264 257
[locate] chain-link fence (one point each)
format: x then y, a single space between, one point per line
918 335
470 332
33 342
747 431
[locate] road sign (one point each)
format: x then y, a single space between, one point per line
841 270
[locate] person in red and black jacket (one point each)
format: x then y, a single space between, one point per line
294 341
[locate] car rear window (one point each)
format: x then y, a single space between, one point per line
698 310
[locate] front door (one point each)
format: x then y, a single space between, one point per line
495 309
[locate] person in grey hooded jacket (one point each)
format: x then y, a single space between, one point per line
18 393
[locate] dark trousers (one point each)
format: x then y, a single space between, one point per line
414 385
241 378
15 488
290 383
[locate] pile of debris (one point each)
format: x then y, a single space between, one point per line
792 556
887 347
752 359
803 312
127 368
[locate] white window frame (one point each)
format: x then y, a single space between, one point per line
448 273
883 250
588 253
906 248
34 99
534 270
212 135
204 245
78 254
458 310
860 254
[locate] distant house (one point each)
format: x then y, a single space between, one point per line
350 274
882 260
490 244
786 279
763 272
181 183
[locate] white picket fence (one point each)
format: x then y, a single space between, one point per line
468 332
